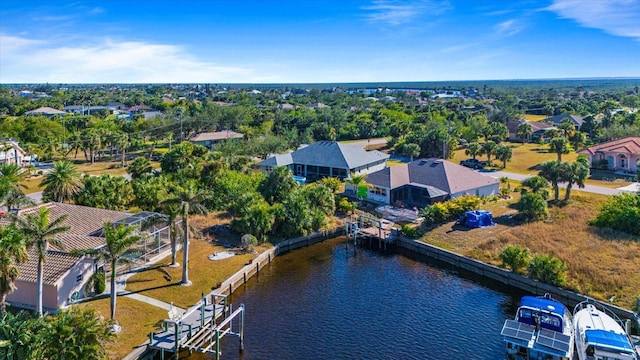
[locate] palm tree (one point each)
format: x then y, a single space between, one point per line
189 201
119 239
62 182
473 149
504 153
552 171
560 146
523 131
487 148
537 184
11 176
39 232
13 251
574 173
172 211
356 181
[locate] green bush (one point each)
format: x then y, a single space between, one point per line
98 282
532 207
547 269
410 231
620 212
450 210
515 258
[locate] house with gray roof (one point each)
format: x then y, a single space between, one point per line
65 276
426 181
46 111
327 159
208 139
577 121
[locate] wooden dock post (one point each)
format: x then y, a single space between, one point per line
241 332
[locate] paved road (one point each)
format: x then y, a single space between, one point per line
36 197
588 188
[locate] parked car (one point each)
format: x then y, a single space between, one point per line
473 163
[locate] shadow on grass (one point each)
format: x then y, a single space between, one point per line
458 227
613 235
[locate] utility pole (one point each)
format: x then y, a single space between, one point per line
180 116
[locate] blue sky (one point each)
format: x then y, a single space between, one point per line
298 41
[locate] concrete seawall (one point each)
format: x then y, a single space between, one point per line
253 268
503 276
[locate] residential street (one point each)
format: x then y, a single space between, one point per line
587 188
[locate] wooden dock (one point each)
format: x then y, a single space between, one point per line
199 329
366 228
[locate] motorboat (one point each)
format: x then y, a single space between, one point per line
600 334
542 329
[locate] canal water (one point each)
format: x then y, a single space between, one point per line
325 302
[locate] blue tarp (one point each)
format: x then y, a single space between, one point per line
608 338
477 219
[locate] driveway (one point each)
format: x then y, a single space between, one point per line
588 188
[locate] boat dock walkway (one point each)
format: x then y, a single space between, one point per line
365 227
199 329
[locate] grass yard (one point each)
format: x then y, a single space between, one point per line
530 117
527 157
137 319
203 273
600 263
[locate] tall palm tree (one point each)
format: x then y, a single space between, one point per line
172 211
13 251
574 173
39 232
189 201
552 171
119 239
560 146
11 177
62 182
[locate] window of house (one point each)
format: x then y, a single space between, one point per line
379 191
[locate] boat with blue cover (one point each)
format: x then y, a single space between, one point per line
600 334
542 329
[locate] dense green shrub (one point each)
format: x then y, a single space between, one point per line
409 231
620 212
515 258
450 210
532 207
99 282
547 269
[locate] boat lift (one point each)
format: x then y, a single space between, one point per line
365 226
199 328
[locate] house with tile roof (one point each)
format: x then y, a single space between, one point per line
65 276
620 154
46 111
327 159
426 181
208 139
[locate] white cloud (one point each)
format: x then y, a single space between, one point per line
33 61
397 12
616 17
509 27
